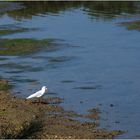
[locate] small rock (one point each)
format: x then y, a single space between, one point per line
81 102
117 122
111 105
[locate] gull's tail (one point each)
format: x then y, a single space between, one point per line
31 96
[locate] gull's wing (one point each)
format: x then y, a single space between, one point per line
37 94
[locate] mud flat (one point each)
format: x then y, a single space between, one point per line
22 118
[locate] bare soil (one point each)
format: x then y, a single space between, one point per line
31 119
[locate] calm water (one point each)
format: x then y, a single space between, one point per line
95 61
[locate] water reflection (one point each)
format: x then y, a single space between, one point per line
106 10
109 10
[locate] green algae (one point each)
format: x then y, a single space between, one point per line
133 25
88 87
4 85
11 31
105 10
67 81
18 68
2 59
57 59
22 46
3 113
9 6
15 66
24 80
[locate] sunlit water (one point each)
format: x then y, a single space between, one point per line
89 53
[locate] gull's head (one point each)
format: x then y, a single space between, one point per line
44 88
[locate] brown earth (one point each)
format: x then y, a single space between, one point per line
32 119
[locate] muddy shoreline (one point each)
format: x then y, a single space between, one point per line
22 118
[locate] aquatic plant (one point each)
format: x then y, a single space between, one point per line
4 85
21 46
133 25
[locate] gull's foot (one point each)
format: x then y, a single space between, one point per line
40 101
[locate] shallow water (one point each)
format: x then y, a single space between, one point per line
95 62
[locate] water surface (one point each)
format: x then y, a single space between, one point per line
95 62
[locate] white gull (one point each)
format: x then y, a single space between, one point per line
38 94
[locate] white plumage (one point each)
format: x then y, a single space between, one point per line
38 94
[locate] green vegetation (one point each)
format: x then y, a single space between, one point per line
105 10
133 25
9 31
4 85
109 10
59 59
16 67
2 59
9 6
88 87
42 7
21 46
3 113
67 81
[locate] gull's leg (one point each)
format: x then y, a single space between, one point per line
41 99
38 100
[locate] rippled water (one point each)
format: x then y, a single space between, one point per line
93 62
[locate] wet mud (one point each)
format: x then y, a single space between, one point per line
21 118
